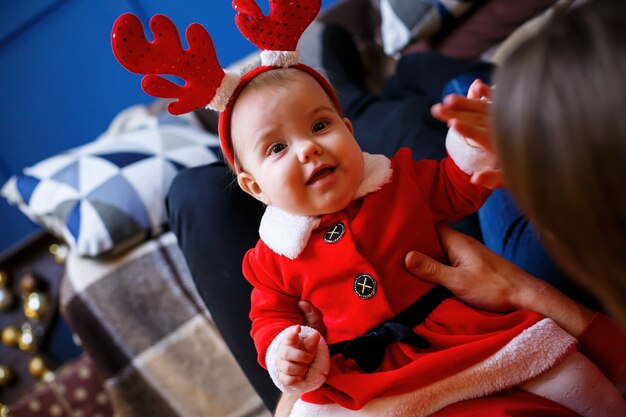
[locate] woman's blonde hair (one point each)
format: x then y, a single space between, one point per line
560 130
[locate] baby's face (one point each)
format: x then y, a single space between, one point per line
295 151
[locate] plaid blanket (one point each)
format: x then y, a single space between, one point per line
142 322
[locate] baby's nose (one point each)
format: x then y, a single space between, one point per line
308 149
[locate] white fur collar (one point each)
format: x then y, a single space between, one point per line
287 234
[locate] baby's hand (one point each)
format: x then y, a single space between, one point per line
295 355
468 115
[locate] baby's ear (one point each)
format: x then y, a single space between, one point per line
249 185
348 124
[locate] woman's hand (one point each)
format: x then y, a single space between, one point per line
483 279
312 316
476 275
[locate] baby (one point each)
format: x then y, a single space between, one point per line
337 226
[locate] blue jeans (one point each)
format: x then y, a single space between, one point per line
507 232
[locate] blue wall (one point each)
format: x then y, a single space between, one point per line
61 85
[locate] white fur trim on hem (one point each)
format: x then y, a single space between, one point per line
283 59
528 355
224 92
467 157
318 371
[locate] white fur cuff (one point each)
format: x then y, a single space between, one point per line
283 59
469 158
318 371
224 92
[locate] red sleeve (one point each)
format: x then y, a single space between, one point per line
448 190
511 403
604 342
272 308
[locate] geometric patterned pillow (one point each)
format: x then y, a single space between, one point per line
110 194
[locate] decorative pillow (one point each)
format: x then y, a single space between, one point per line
405 21
109 194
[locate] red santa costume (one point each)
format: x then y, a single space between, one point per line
350 265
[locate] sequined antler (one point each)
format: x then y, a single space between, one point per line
197 66
282 28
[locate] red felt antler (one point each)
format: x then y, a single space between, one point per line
282 28
197 66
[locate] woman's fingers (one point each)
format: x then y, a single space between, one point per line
425 267
312 316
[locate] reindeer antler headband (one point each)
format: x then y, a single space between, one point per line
206 83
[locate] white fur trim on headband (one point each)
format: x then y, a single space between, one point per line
224 92
318 370
283 59
466 156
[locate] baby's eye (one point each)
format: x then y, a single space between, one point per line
319 125
276 148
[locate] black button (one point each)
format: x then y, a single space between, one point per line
335 233
364 286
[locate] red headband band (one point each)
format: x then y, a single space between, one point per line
206 83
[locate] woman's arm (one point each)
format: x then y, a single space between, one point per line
483 279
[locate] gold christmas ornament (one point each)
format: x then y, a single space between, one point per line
6 299
10 336
59 252
37 367
35 305
28 283
6 296
5 375
4 279
26 341
48 376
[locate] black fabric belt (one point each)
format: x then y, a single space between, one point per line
368 350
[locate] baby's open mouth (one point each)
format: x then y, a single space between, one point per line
319 174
